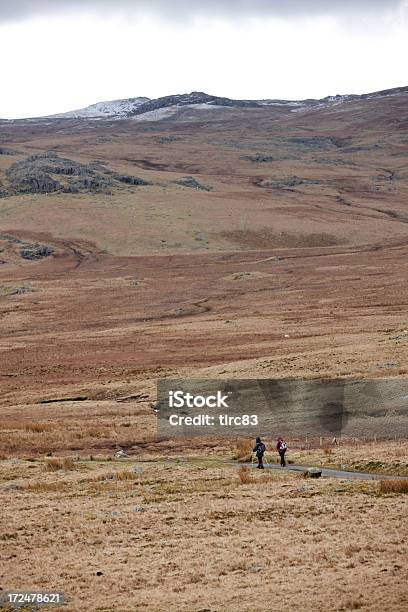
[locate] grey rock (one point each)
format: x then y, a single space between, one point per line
312 473
31 181
7 151
130 180
97 183
36 174
7 290
35 251
285 182
189 181
258 158
13 487
166 139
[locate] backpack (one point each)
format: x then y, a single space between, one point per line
283 446
260 449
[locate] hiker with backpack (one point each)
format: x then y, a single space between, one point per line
281 447
259 449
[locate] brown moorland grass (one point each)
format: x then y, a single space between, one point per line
382 456
227 282
394 486
129 544
38 427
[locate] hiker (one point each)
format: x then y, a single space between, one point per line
259 449
281 447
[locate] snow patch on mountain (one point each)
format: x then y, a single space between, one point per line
157 114
168 111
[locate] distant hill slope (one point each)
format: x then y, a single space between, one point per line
135 107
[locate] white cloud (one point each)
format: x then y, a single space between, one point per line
185 9
50 65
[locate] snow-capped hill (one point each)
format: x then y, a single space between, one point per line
146 109
131 107
112 108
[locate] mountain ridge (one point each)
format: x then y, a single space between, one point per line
126 108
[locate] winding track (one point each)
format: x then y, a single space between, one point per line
331 473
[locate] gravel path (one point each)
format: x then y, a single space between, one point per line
332 473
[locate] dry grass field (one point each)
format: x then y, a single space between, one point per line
193 533
293 267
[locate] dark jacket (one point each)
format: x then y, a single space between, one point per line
259 447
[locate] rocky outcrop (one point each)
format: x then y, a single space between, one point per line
258 158
189 181
130 180
47 173
6 151
35 251
32 181
31 175
287 182
96 182
27 250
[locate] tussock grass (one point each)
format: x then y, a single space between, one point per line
54 464
244 475
121 475
394 486
351 550
243 451
353 604
44 487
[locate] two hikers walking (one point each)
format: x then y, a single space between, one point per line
260 448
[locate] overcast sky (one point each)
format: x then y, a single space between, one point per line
59 55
